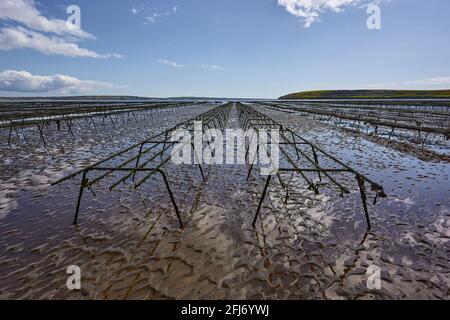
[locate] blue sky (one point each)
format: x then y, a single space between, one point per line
222 48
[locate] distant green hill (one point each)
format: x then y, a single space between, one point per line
370 94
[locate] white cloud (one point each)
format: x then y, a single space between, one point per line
158 16
433 83
23 81
309 10
171 63
19 37
212 67
154 18
25 12
35 31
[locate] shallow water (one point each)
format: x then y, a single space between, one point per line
128 244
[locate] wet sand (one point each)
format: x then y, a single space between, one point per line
128 244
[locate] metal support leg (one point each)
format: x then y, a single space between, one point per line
201 172
263 196
364 200
69 126
9 136
199 165
171 197
316 160
295 145
17 134
164 146
42 134
253 163
83 184
137 161
250 172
